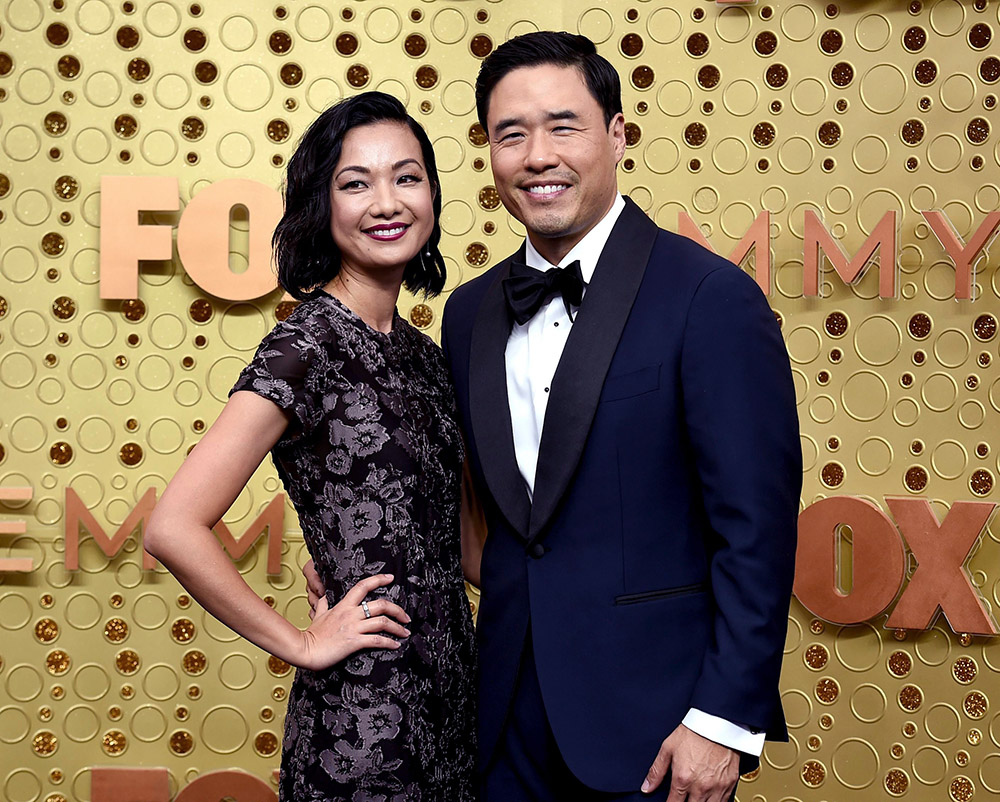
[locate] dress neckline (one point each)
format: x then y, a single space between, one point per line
390 336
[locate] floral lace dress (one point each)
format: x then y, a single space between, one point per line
372 461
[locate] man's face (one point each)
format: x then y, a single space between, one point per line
553 157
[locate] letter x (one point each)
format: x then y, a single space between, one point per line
941 579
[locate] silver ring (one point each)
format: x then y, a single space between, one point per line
364 606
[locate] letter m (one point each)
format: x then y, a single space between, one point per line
882 239
79 517
756 240
272 519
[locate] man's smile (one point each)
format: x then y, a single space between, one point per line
545 191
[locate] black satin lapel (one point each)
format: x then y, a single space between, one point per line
579 378
489 408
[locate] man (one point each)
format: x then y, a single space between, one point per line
630 419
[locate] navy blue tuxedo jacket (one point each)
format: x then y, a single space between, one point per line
653 569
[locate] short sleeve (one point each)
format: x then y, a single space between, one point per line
281 371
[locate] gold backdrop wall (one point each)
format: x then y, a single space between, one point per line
851 109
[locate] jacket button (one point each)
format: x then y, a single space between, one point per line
536 550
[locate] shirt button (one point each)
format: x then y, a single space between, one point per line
546 389
556 324
536 550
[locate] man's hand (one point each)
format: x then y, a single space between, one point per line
314 586
701 770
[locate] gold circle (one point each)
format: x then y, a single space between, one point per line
57 662
975 704
910 698
899 663
182 630
277 667
181 742
897 782
421 316
813 773
44 743
827 690
46 630
114 742
961 789
127 662
116 630
194 662
265 743
816 656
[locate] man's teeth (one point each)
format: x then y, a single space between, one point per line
388 232
548 189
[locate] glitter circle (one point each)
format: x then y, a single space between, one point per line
910 698
897 782
961 789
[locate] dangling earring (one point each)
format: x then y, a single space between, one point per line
425 252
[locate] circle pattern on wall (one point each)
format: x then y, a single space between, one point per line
790 107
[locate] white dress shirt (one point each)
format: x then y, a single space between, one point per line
532 355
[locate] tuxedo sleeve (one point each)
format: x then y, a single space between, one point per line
739 408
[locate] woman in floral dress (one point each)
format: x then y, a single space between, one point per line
358 412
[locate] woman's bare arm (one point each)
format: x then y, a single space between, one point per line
180 535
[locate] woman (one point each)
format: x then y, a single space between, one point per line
358 412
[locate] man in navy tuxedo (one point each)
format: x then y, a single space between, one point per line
630 420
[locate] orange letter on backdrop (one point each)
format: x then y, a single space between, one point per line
964 256
941 579
882 239
756 239
214 786
273 520
878 560
128 784
203 238
123 241
77 514
15 528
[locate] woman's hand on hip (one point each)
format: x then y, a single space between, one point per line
315 590
338 632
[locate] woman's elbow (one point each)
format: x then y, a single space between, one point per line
156 535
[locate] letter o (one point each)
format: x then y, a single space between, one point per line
203 238
879 560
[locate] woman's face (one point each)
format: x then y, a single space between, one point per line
381 199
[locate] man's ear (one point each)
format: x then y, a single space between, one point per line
616 130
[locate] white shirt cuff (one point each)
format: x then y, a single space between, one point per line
735 736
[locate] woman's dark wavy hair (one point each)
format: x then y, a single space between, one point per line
551 47
306 255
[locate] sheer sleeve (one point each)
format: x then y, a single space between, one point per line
281 371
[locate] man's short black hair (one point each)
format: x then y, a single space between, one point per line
551 47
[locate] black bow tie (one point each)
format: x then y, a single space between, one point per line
527 289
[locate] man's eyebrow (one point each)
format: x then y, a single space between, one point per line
512 122
357 168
